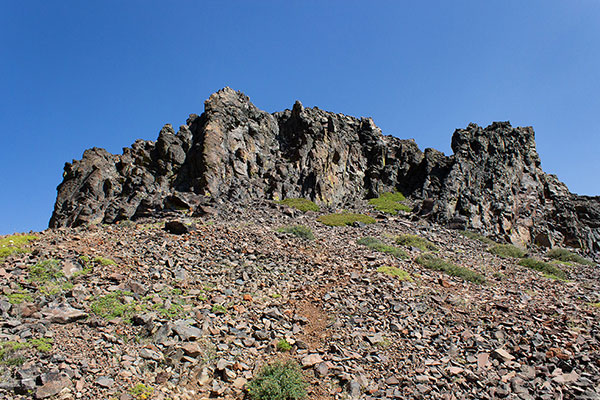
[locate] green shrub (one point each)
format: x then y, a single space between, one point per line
104 261
278 381
218 309
390 203
284 345
14 244
395 272
141 391
547 268
345 219
507 251
378 245
19 297
416 241
476 236
439 264
113 305
567 256
45 271
300 231
300 204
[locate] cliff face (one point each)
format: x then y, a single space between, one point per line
235 152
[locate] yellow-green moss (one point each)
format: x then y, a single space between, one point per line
345 219
303 205
390 203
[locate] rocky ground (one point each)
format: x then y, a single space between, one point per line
130 311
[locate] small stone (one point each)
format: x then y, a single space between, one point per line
186 331
52 387
150 354
105 382
192 349
239 383
503 355
311 360
64 314
455 370
177 227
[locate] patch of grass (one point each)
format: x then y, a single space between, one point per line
10 352
345 219
14 244
416 241
300 204
300 231
54 288
507 251
43 345
395 272
390 203
113 305
104 261
19 297
439 264
565 255
378 245
218 309
595 305
476 236
548 269
141 391
278 381
45 271
284 345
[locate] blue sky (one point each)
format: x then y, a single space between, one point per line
78 74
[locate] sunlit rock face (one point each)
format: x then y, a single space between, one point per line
233 151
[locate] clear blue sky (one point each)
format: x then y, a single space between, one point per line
77 74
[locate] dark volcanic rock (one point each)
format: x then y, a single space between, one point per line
236 152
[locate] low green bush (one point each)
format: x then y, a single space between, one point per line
278 381
476 236
395 272
390 203
345 219
416 241
14 244
300 204
378 245
284 345
567 256
46 271
438 264
546 268
300 231
113 305
507 251
104 261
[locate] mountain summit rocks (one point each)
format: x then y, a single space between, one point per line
233 151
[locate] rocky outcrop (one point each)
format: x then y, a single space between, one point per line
235 152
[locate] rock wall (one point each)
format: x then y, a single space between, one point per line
235 152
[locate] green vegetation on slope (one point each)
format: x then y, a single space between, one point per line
390 203
278 381
507 251
300 204
345 219
300 231
416 241
547 268
378 245
439 264
567 256
14 244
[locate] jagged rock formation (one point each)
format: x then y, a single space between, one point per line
233 151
